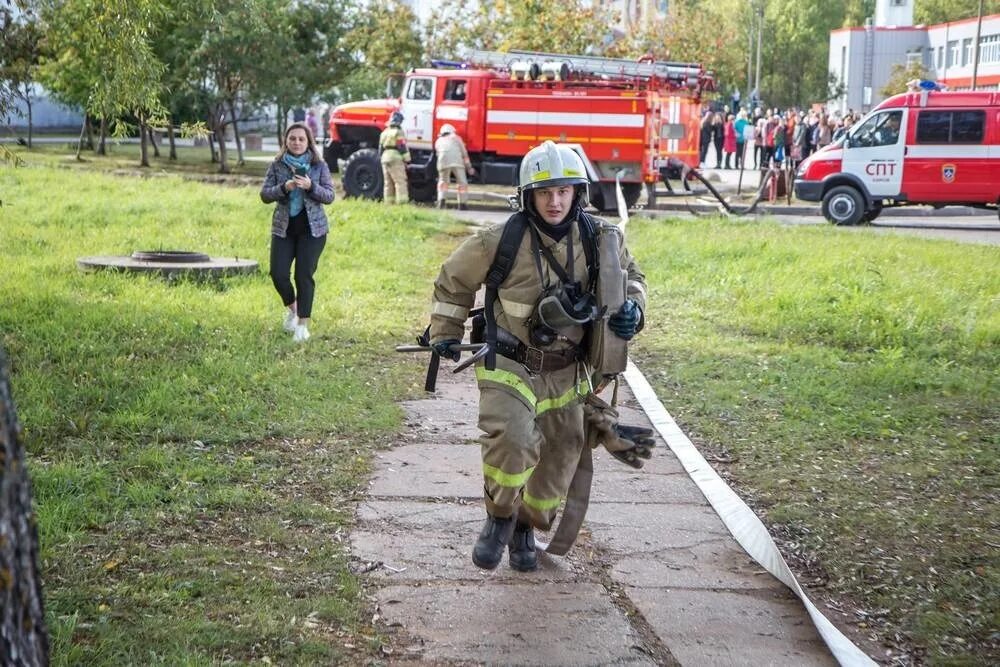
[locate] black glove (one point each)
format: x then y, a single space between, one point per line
443 348
625 323
643 442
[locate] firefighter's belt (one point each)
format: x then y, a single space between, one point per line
532 358
540 361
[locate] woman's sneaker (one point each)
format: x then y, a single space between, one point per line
291 321
301 333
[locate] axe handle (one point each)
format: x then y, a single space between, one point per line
464 347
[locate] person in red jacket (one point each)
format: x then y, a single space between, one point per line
729 139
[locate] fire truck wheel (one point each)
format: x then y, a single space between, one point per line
363 174
631 192
843 205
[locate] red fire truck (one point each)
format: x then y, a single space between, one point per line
626 118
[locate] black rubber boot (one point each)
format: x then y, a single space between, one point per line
493 539
523 556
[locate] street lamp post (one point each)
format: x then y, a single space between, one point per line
975 48
760 32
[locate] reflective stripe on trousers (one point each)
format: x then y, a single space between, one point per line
532 434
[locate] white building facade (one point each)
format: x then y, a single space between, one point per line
861 59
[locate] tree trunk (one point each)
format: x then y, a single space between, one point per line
170 137
152 141
220 135
23 635
143 148
280 123
102 137
217 123
90 132
27 103
236 135
79 143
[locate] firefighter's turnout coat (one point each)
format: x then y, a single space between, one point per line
532 423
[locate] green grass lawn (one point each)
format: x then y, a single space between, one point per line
191 162
854 380
196 472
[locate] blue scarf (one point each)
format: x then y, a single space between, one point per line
295 199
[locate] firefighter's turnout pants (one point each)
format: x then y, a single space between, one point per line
394 182
444 181
522 415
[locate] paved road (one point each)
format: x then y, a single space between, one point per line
962 228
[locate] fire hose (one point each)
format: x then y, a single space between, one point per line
768 182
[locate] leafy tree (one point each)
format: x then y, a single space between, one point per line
229 48
941 11
796 51
555 26
856 11
101 55
697 31
173 43
19 56
901 75
309 55
382 40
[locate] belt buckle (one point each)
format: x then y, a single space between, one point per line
533 358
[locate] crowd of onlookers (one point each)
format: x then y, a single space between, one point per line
768 135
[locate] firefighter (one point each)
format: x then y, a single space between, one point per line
452 160
394 157
531 410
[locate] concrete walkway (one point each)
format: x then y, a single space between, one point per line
654 578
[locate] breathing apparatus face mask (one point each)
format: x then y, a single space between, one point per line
559 310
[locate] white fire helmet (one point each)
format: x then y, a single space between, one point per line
549 165
447 128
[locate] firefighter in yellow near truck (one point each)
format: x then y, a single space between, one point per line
452 160
394 157
531 406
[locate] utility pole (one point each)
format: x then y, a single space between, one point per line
749 97
975 49
760 32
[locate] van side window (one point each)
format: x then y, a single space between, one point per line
967 127
951 127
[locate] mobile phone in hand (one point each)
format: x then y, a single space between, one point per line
301 171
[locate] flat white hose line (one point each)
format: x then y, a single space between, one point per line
739 519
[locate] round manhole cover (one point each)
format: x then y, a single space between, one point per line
169 256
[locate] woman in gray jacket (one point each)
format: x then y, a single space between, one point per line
299 181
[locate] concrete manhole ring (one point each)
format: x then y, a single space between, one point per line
170 264
173 256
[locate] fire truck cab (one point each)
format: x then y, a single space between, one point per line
627 119
930 147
